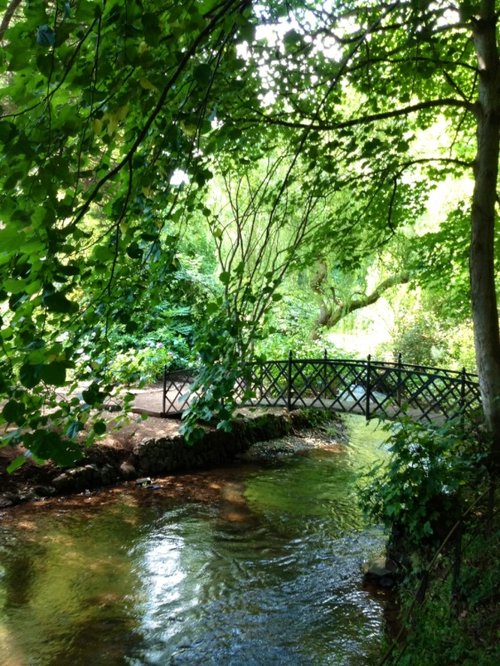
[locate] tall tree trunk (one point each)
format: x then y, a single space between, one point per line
482 273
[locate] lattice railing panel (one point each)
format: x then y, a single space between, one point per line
176 392
385 390
269 382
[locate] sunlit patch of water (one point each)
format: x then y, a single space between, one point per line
263 568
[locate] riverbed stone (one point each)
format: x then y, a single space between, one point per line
381 571
127 470
62 482
8 499
108 475
78 478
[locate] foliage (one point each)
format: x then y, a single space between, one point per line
140 365
418 491
423 334
420 339
458 621
277 345
461 352
307 117
221 368
434 481
289 326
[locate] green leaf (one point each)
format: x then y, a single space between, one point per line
247 32
14 286
225 277
134 251
202 74
29 375
44 63
152 29
92 395
103 253
13 412
207 5
212 308
7 131
16 464
47 444
56 301
99 427
54 373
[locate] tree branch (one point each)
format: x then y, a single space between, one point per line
364 120
334 316
7 17
188 55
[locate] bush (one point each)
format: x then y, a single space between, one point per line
434 481
423 338
140 366
457 622
417 492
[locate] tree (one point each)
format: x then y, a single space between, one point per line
102 102
406 64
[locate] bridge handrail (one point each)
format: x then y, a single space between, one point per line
391 388
374 363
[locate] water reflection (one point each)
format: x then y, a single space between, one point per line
268 574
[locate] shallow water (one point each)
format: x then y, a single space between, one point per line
261 566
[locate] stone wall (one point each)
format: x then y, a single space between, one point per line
104 466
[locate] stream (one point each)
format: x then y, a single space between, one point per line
248 565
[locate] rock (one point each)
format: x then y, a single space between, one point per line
108 475
44 491
143 447
62 482
78 479
27 496
127 470
8 499
382 571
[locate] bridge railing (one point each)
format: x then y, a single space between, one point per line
368 387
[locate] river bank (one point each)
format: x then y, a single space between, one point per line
153 447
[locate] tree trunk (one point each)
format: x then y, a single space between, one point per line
482 272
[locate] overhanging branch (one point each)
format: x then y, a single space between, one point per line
330 317
363 120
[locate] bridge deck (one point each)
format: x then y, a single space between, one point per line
150 402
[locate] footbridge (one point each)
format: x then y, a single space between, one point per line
374 389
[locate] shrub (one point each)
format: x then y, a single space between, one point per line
417 492
140 366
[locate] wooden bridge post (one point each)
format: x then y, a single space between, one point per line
368 383
164 403
289 381
462 393
398 390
